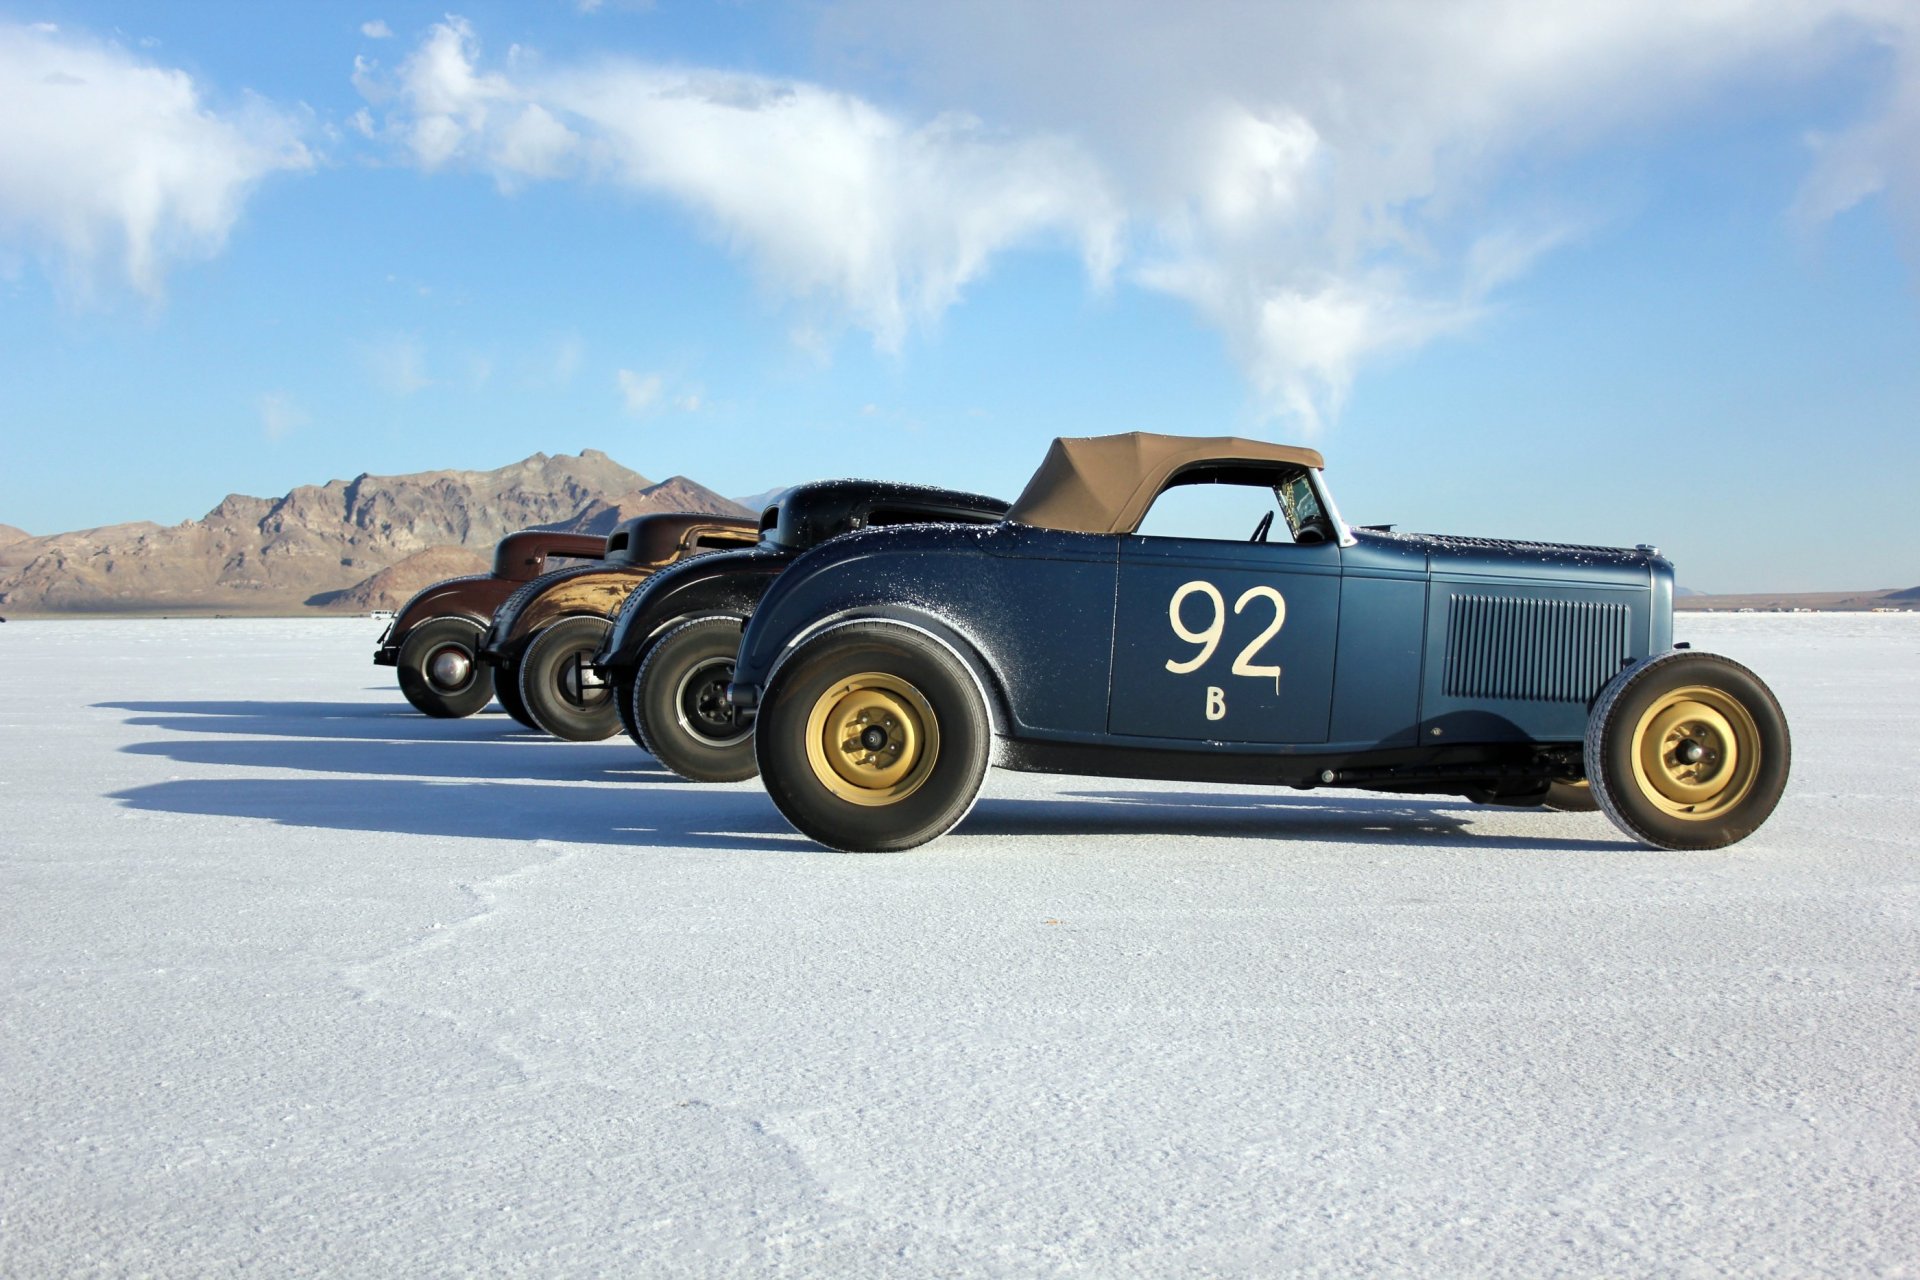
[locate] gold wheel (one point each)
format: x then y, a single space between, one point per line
872 739
1696 752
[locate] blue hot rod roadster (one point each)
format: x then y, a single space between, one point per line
886 668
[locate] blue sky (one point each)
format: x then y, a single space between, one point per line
1622 273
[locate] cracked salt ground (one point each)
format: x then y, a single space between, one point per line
296 980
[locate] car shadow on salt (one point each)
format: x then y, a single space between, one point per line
1341 817
488 778
324 737
672 817
540 759
371 720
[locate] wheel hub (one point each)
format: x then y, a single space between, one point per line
711 706
704 708
450 669
1696 752
580 684
872 739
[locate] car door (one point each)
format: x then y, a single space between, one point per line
1222 641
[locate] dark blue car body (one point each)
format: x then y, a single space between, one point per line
1412 649
887 668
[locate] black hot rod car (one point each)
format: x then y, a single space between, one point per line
542 635
669 656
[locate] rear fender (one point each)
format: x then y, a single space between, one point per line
473 596
940 630
589 595
731 589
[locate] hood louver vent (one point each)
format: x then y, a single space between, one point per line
1535 650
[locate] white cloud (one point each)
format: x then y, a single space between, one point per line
1325 182
376 30
645 393
640 392
830 198
111 164
280 417
1879 155
398 364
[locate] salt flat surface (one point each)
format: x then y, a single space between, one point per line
297 981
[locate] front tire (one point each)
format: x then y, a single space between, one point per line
1687 751
440 670
623 703
872 738
506 687
560 689
680 703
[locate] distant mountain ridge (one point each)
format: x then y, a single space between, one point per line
314 547
676 493
1789 601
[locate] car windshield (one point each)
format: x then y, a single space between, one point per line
1299 503
1235 508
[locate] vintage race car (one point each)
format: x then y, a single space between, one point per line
434 640
670 654
542 636
888 667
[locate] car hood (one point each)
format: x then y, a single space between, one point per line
1442 547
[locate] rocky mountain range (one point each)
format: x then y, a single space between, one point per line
347 545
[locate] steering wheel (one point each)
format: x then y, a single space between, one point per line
1260 530
1311 534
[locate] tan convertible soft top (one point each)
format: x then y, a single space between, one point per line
1104 484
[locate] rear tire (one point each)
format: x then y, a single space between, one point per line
623 703
680 703
1687 751
872 738
440 670
560 690
1571 797
506 687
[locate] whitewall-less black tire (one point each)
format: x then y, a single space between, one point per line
440 671
561 692
680 704
1687 750
872 738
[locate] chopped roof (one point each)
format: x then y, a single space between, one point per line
666 536
1104 484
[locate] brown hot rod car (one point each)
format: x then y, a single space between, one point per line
433 642
544 636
